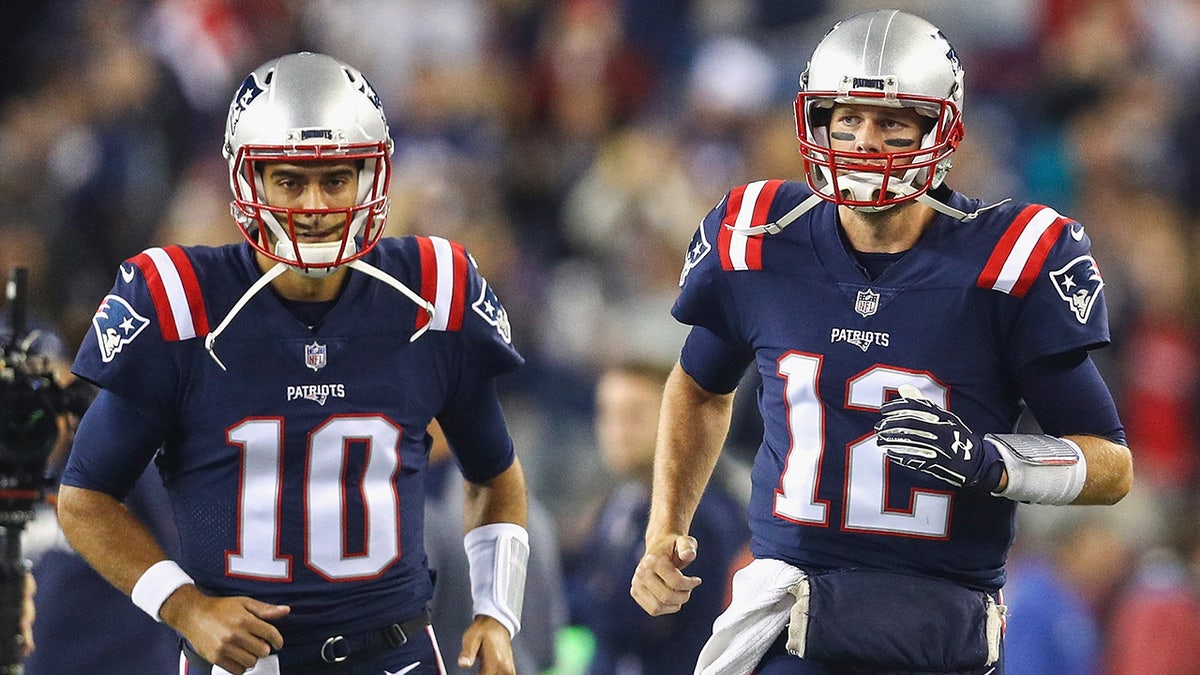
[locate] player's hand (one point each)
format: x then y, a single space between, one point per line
659 585
28 613
487 642
919 435
231 632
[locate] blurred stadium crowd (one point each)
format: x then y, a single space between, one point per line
573 146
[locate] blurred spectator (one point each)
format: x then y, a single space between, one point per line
628 641
1051 629
1066 573
1160 370
1156 620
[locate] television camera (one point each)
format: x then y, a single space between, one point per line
32 405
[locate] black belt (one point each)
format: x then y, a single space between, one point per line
325 657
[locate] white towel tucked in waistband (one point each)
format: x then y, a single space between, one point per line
756 615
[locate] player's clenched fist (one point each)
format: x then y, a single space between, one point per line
659 585
231 632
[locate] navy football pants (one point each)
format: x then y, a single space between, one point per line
779 662
419 649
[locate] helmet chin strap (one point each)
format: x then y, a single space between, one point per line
787 219
211 338
950 210
280 268
814 199
374 272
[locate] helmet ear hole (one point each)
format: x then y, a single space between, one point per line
928 124
820 116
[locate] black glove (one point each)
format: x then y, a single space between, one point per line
919 435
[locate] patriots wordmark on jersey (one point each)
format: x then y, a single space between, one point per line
296 473
972 302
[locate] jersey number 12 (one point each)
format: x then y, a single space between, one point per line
866 503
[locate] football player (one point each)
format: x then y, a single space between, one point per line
900 328
283 387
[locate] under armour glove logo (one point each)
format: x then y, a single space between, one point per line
961 446
919 435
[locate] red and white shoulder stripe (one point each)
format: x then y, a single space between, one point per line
747 206
175 291
1022 251
443 282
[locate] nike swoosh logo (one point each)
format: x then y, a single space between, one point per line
127 273
1077 232
403 670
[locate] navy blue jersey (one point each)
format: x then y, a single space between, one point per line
956 316
296 474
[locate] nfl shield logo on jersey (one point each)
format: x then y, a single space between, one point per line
867 303
314 356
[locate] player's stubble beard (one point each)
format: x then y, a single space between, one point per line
886 226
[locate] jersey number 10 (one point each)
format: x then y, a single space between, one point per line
325 499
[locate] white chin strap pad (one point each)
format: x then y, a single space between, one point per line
315 254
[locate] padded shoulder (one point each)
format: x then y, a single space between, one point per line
1026 239
174 289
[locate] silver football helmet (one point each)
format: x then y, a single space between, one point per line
885 58
307 107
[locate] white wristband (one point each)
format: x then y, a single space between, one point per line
1041 469
156 585
498 555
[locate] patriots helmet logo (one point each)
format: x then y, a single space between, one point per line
116 325
1079 283
249 91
